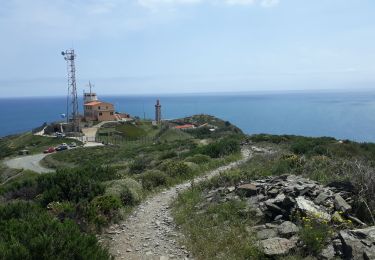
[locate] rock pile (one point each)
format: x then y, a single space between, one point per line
277 201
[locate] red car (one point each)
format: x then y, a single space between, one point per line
50 150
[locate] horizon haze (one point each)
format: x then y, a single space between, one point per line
187 46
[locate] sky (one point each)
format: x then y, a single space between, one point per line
128 47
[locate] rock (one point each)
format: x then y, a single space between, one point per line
266 233
277 246
310 208
247 190
358 243
163 257
328 253
322 197
287 229
278 217
274 209
231 189
341 204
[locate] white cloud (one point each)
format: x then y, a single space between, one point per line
269 3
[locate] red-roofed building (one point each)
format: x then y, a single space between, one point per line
187 126
99 111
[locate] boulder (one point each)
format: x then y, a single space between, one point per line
247 189
277 246
310 208
266 233
287 229
358 243
341 204
322 197
328 253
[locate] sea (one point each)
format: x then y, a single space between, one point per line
339 114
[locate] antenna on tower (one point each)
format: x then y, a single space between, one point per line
69 56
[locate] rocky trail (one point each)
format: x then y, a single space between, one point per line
150 232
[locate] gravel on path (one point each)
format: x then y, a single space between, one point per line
149 232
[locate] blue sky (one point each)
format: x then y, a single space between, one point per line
184 46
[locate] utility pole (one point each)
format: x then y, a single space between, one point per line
69 56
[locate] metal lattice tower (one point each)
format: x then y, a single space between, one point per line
69 56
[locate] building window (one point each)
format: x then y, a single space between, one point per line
99 108
106 107
100 113
111 113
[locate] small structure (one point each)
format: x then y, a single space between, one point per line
99 111
186 126
158 112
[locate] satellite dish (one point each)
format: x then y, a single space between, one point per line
63 115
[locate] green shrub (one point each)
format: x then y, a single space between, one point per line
167 155
139 164
73 184
29 232
314 234
102 210
175 169
223 147
128 190
153 178
198 158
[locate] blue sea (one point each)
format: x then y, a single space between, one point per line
343 115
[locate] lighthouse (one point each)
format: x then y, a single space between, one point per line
158 112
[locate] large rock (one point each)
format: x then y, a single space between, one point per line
341 204
277 246
328 253
310 208
287 229
266 233
247 189
358 243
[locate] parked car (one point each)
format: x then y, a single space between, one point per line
62 147
72 145
59 135
23 152
50 150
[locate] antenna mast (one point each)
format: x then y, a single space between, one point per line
69 56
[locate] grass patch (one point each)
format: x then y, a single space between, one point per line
218 232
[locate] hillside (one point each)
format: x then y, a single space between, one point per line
306 197
233 197
95 187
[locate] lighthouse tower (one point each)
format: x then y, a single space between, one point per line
158 112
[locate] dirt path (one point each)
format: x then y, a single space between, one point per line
149 232
29 162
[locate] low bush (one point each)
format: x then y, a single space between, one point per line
128 190
175 169
198 158
153 178
29 232
314 233
221 148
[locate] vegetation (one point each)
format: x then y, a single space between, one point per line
93 187
29 232
218 232
323 159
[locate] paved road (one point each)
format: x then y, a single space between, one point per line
29 162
